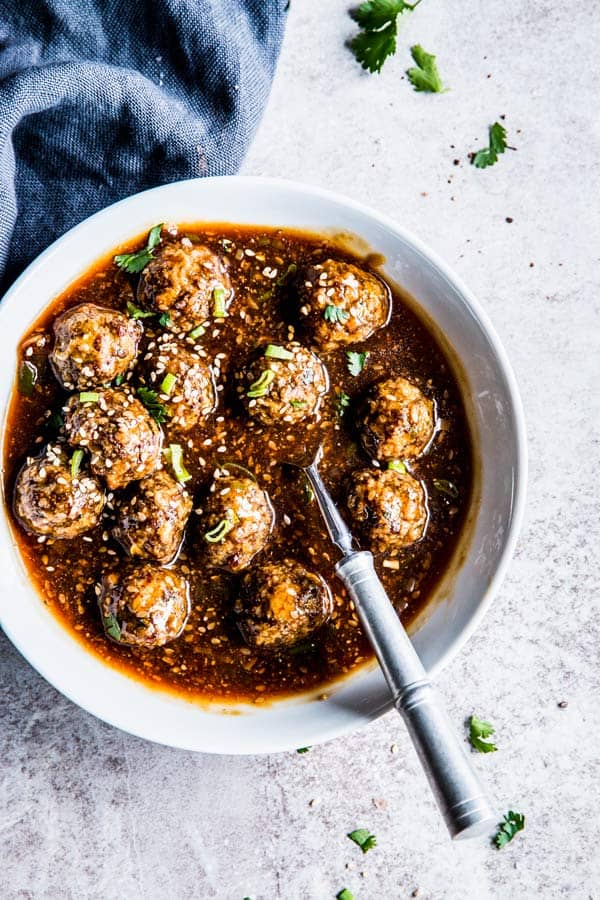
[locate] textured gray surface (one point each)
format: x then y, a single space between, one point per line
88 812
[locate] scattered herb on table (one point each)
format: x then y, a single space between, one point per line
155 407
513 823
378 20
302 749
424 76
356 361
133 263
363 838
497 144
335 314
344 894
478 732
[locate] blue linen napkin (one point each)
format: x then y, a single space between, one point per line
103 98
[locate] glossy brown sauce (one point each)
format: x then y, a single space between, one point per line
210 660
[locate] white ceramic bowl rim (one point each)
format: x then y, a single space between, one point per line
156 715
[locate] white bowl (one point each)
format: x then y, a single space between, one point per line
497 421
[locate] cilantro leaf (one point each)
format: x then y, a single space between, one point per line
157 410
379 22
302 749
136 313
363 837
497 144
425 76
356 361
133 263
343 402
335 314
112 627
513 823
478 731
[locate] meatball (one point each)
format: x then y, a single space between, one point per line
389 509
93 345
151 522
50 500
342 304
124 441
237 520
281 604
144 606
284 384
189 392
398 421
181 280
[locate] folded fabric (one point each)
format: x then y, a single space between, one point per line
103 98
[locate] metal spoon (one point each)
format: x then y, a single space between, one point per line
460 796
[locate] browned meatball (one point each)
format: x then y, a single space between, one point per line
124 441
151 522
93 345
144 606
341 304
281 604
389 509
189 391
237 519
399 421
181 280
50 500
284 384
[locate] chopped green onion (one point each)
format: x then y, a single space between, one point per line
27 378
221 530
260 386
136 313
220 308
396 466
168 383
76 461
164 320
89 397
298 404
266 295
174 453
196 332
272 351
446 487
112 627
119 380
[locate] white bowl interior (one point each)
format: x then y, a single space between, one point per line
496 415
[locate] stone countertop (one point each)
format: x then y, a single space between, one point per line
89 812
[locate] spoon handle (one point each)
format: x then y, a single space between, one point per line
460 796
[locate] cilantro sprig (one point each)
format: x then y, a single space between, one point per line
155 407
133 263
512 823
363 838
356 361
478 732
378 20
424 76
497 145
